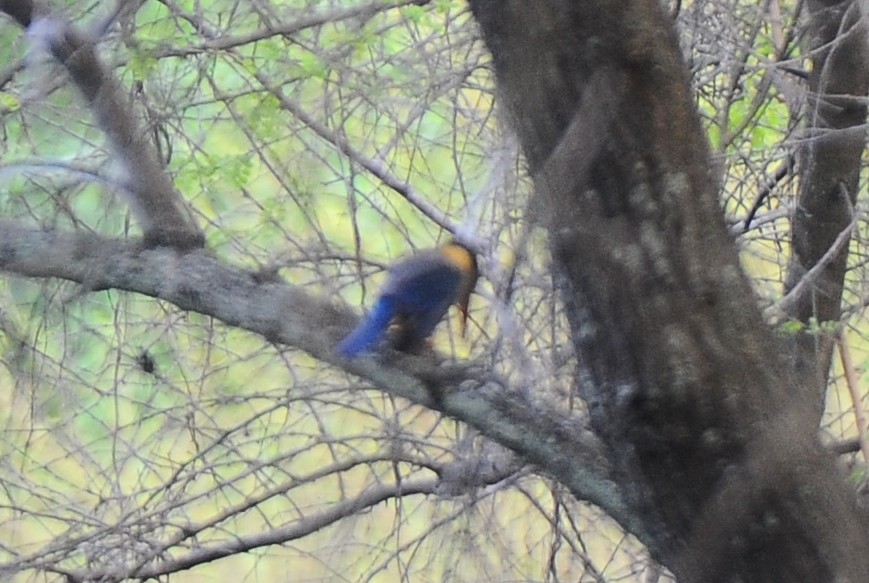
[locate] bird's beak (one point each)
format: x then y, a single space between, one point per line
464 259
463 308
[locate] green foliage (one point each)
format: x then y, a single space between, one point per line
142 65
8 103
791 327
859 477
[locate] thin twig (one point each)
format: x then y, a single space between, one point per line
779 311
854 390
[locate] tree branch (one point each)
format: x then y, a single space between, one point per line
165 218
780 310
242 544
197 281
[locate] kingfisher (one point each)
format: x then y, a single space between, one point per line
418 292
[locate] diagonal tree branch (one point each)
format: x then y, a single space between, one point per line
206 554
163 214
779 311
199 282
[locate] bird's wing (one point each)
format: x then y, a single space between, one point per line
423 282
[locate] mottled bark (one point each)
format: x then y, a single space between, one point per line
685 383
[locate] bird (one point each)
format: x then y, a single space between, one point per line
418 292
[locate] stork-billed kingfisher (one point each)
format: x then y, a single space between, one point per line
417 294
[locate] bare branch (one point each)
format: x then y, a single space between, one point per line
361 12
164 216
373 165
199 282
206 554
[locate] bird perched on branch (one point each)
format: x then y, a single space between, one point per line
417 294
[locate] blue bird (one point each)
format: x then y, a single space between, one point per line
417 294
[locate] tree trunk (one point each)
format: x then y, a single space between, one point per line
685 383
829 169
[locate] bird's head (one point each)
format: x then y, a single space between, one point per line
460 255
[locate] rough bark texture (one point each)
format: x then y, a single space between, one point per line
830 168
685 383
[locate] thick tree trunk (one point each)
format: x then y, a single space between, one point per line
685 383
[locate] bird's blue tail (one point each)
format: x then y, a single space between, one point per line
370 330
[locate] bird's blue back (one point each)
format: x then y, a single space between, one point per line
423 283
422 292
417 294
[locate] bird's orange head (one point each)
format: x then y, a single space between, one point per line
461 256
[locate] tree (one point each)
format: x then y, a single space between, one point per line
179 401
